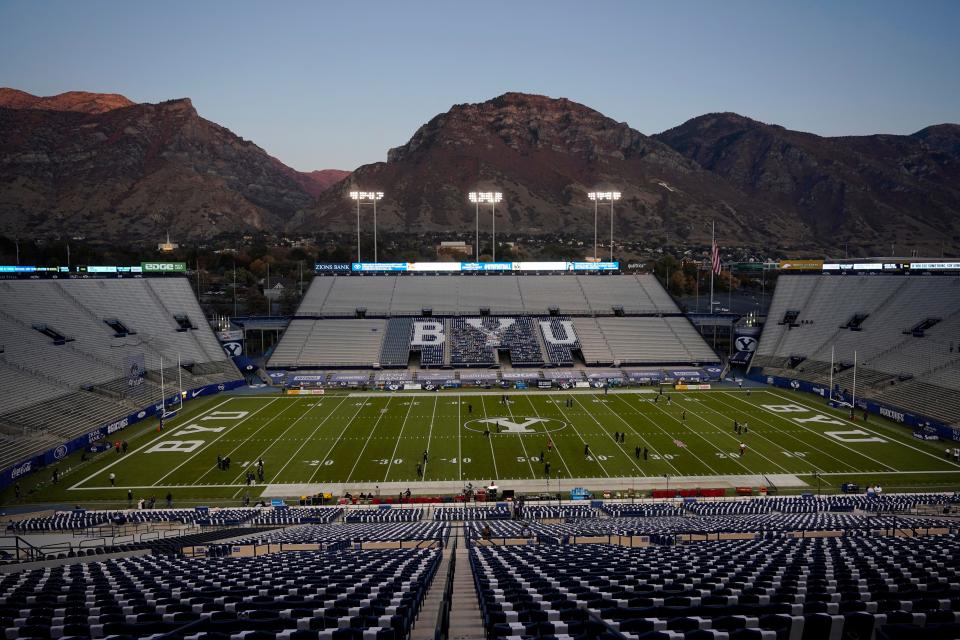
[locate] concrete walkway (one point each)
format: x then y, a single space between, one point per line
648 483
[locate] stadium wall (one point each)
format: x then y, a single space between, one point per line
10 475
920 424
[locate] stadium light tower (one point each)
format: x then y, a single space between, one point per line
598 197
361 197
493 197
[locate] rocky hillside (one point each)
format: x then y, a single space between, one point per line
81 101
870 191
135 170
102 166
545 154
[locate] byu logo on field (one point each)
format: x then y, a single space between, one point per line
517 426
746 343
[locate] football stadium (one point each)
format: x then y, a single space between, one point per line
491 449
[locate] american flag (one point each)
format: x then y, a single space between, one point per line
715 258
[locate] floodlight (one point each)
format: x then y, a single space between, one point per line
598 197
485 197
363 197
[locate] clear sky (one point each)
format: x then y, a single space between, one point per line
334 85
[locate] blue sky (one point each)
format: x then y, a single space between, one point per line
323 85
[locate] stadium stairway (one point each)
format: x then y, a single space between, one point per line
465 622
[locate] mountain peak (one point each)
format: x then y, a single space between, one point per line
79 101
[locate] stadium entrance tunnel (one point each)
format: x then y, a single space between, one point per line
515 425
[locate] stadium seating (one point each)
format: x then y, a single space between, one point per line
330 343
472 513
408 295
67 389
380 531
917 370
476 341
641 340
384 515
783 589
372 595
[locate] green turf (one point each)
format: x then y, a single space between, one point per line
352 439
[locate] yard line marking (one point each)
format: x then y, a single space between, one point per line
146 444
493 456
383 412
459 440
522 446
817 433
269 421
727 433
789 433
865 428
622 450
433 415
308 438
396 445
555 446
335 442
619 397
580 436
206 446
280 437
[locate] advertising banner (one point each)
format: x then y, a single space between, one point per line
163 267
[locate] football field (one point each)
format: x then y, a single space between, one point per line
357 441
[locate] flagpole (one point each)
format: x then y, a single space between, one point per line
854 403
831 374
713 242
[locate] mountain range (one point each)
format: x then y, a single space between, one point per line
101 165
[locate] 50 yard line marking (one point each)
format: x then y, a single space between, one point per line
496 474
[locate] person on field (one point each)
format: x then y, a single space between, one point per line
169 499
124 446
586 450
419 470
636 452
743 449
645 453
469 408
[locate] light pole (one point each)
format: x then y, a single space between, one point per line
371 197
493 197
598 197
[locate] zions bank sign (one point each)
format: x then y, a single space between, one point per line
164 267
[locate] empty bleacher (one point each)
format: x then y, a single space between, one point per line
68 389
330 343
393 295
917 371
641 340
